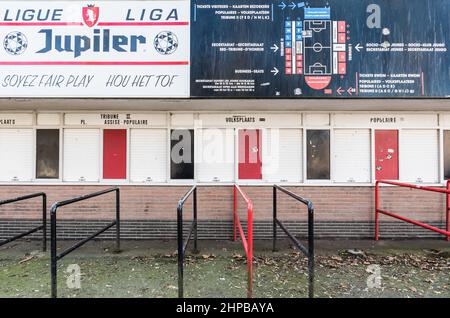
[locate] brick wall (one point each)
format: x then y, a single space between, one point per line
341 211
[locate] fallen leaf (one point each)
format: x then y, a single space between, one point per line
26 259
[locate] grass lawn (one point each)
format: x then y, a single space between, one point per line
149 269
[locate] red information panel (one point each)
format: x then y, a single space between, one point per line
250 165
386 154
114 154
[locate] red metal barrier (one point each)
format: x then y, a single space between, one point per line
247 242
447 210
418 187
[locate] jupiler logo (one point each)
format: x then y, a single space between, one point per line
98 39
15 43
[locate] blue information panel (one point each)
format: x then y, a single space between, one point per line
318 48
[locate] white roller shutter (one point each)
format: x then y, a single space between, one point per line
351 155
81 154
16 154
419 155
215 155
148 149
282 155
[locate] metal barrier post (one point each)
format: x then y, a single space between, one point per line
180 250
234 213
274 209
405 219
447 218
311 250
195 220
42 227
182 246
250 249
44 223
118 220
247 242
308 252
53 256
377 216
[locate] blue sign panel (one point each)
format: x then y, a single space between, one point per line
319 48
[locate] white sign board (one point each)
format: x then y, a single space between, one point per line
250 120
380 120
22 119
116 119
94 48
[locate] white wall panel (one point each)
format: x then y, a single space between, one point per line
215 155
317 119
419 155
48 119
351 155
16 154
148 150
81 154
282 155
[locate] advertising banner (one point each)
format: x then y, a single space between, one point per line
225 49
320 48
94 49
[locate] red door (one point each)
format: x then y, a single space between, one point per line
386 154
250 165
114 154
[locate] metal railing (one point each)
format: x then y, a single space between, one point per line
53 245
42 227
447 210
246 242
402 218
309 252
182 245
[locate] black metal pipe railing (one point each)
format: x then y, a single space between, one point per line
182 245
42 227
53 244
309 252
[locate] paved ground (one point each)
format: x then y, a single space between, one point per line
148 269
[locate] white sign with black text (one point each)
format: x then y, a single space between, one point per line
116 119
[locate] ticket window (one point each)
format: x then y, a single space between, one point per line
182 154
148 155
282 155
16 154
351 155
249 154
318 154
47 154
115 154
386 155
215 155
419 159
81 155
